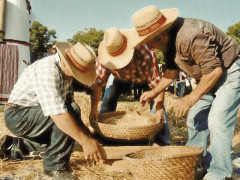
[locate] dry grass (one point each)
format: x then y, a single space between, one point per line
32 169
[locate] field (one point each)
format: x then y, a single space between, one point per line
32 169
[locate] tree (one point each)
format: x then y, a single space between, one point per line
160 56
90 36
234 32
40 37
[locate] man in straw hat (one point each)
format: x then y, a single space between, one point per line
206 53
118 56
42 114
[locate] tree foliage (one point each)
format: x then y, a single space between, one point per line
234 32
40 37
160 56
90 36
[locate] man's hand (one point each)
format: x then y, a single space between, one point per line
91 150
183 105
206 83
66 123
147 96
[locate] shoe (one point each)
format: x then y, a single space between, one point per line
60 175
5 143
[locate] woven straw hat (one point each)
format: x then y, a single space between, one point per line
79 59
116 50
150 21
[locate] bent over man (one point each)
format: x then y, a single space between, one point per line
118 57
209 55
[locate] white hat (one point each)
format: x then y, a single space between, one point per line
79 59
116 49
150 21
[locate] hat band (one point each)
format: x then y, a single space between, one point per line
152 27
120 50
75 63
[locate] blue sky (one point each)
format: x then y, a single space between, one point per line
70 16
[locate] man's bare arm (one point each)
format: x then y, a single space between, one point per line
168 77
206 83
66 123
95 98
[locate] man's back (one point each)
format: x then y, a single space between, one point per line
200 42
42 83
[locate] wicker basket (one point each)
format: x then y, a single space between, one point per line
168 162
124 132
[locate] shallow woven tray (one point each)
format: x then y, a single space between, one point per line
168 162
129 131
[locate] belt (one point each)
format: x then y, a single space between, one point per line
8 106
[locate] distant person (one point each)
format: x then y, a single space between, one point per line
139 88
42 114
181 84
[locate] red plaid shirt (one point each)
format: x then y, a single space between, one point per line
142 67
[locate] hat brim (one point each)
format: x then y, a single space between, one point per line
171 16
122 60
86 78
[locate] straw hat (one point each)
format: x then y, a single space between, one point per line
116 49
150 21
79 59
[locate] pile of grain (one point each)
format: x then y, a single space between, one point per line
130 119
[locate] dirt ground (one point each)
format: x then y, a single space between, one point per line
32 169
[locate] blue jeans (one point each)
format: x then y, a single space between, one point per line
214 116
36 132
113 90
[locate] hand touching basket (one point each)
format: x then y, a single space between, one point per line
120 125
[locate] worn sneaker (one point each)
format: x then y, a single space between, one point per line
5 143
60 175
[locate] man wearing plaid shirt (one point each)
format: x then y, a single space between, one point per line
42 114
142 66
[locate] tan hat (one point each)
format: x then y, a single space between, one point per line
80 60
150 21
116 49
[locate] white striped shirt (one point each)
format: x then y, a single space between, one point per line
43 83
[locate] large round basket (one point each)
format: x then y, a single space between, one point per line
168 162
124 132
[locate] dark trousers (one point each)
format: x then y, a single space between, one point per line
36 132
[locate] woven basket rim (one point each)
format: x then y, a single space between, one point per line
198 152
157 122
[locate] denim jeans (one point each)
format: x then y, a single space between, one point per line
214 116
113 90
36 132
